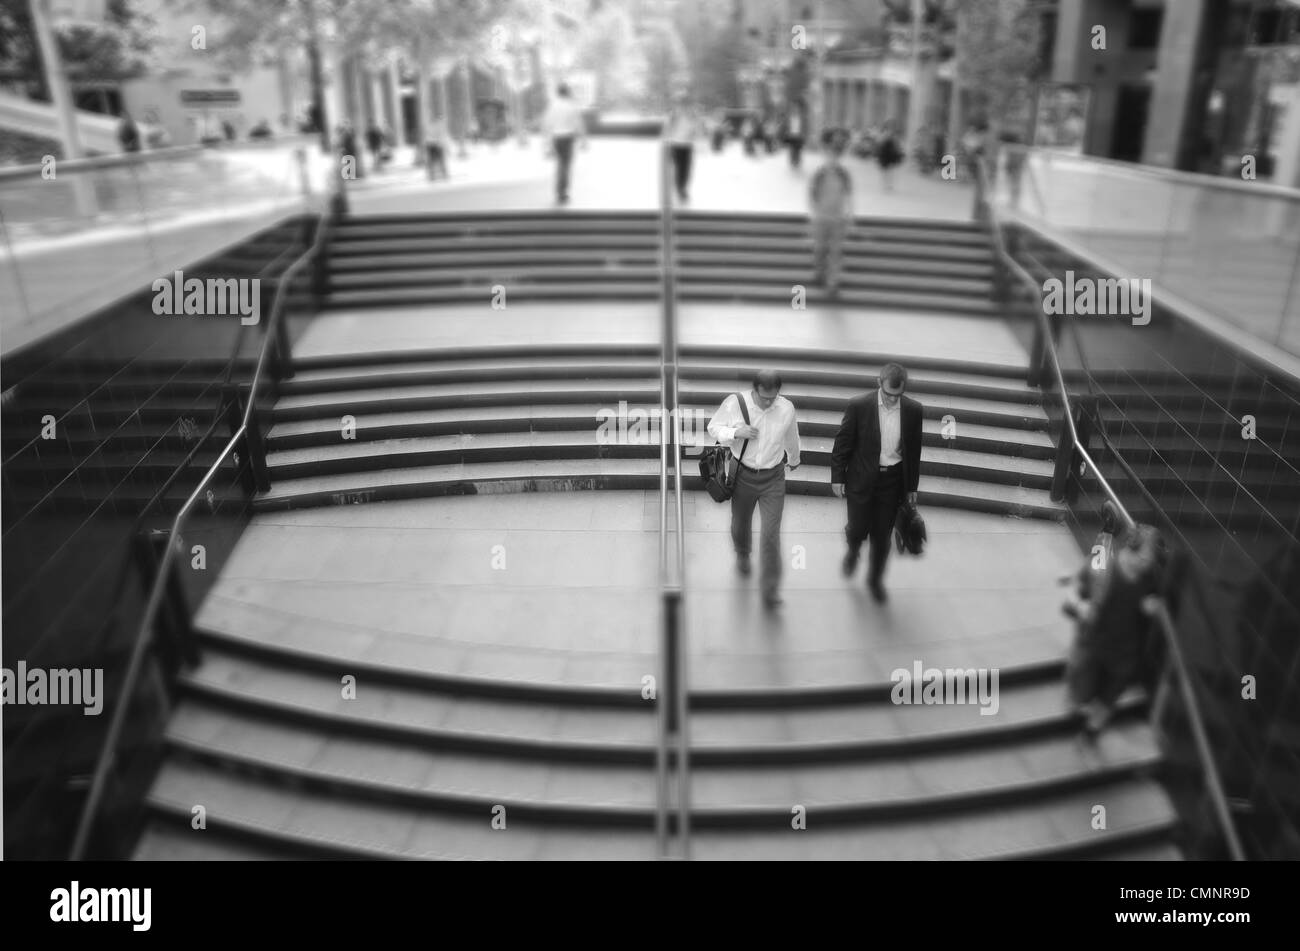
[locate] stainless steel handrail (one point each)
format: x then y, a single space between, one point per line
671 569
108 749
1200 739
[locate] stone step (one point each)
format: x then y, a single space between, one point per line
312 821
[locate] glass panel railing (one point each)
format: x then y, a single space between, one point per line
109 424
1202 441
78 235
1230 249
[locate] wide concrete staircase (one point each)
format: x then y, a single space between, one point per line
416 764
535 256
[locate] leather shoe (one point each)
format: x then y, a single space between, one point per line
772 601
877 591
850 564
743 566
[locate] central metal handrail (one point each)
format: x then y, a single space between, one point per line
1205 754
672 695
108 750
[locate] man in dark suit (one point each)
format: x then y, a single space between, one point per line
876 462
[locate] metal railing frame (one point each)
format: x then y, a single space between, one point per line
243 437
1204 754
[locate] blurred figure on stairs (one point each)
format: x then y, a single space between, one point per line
680 131
1115 644
830 197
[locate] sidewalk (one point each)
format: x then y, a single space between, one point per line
623 174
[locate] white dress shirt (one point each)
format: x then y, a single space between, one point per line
778 431
563 118
891 433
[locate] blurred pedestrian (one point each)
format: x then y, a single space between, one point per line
375 143
889 154
128 133
1116 593
830 199
748 132
680 132
718 132
771 130
796 129
348 154
564 127
435 149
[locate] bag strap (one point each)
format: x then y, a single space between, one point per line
744 411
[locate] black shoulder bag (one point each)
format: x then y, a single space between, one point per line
715 464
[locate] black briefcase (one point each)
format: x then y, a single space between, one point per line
909 530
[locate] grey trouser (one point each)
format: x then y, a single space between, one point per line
828 247
767 491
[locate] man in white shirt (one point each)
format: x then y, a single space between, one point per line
564 125
680 132
875 464
763 447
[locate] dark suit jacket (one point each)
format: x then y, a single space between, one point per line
855 460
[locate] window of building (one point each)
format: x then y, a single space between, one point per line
1144 28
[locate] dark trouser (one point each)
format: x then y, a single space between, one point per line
682 168
767 491
796 149
563 159
433 156
872 516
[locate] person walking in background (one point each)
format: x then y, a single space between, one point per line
748 132
680 132
875 464
435 149
763 435
888 154
771 130
128 133
796 129
564 128
347 139
375 143
830 199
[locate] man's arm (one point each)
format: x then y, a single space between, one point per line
792 444
722 426
846 441
914 436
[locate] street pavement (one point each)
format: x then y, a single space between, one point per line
624 174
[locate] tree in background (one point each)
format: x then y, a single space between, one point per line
667 70
997 57
711 42
122 47
261 32
608 48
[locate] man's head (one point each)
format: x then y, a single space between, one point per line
893 383
837 140
767 387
